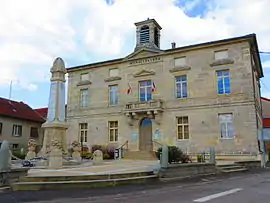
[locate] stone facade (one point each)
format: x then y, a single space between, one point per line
202 105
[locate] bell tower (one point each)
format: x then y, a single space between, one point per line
148 34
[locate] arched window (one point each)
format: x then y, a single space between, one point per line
156 37
144 34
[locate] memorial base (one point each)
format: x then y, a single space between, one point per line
54 132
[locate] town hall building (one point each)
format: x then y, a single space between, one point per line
192 97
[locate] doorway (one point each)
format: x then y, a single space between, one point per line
145 135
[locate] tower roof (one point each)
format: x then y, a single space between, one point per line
147 22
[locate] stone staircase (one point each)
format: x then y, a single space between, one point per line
140 155
231 168
33 183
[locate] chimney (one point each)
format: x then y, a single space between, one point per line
173 45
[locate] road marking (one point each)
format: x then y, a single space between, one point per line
207 198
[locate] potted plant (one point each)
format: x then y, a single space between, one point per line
199 158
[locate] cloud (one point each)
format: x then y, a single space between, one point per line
33 33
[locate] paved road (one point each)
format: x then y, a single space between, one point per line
243 188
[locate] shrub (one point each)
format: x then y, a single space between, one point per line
19 155
175 155
106 149
106 156
96 147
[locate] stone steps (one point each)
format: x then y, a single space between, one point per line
140 155
91 181
231 168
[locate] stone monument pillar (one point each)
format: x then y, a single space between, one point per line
55 126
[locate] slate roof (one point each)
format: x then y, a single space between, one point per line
19 110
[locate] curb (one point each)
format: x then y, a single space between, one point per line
195 178
4 189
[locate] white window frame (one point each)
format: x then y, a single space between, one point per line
145 87
226 137
183 125
84 98
83 132
114 72
114 130
116 95
181 85
222 54
180 61
84 76
15 130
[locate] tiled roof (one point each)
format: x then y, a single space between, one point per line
265 99
266 122
18 110
42 111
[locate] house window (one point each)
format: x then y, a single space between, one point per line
145 88
221 55
83 132
84 97
181 86
114 72
84 77
34 132
144 34
113 94
180 61
1 128
17 131
15 146
223 82
226 125
113 131
182 128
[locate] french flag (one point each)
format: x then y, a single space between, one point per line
153 87
129 91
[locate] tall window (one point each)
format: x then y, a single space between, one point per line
113 93
113 131
226 125
1 128
182 128
84 97
34 132
181 86
17 131
144 34
145 88
223 82
156 37
83 132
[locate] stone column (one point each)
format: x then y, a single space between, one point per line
55 127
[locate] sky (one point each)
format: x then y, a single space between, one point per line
33 33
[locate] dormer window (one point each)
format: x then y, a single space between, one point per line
144 34
114 72
84 77
219 55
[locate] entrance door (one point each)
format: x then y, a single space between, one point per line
145 138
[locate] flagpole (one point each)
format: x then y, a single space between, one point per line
10 89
